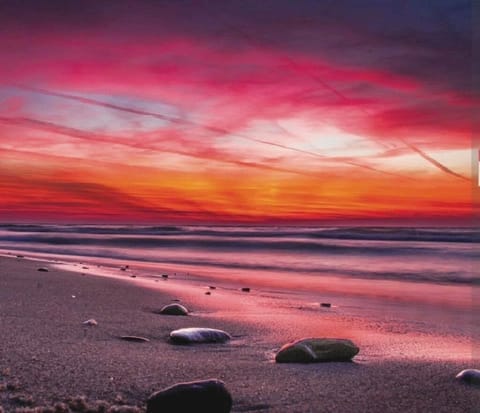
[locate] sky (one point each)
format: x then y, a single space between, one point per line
223 111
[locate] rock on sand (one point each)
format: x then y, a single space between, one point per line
199 396
42 269
90 322
174 309
470 376
199 335
313 350
136 339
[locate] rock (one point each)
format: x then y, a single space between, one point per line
208 293
246 289
20 256
212 287
135 338
85 268
164 276
328 305
90 322
199 335
123 269
133 276
469 376
42 269
174 309
199 396
312 350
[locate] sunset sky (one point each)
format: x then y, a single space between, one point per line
272 111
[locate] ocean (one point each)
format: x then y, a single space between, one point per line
431 255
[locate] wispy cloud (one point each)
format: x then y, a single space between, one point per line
93 137
214 129
249 109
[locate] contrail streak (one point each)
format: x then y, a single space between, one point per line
434 161
214 129
295 66
88 136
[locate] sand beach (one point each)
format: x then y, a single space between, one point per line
48 356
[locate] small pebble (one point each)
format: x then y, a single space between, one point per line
90 322
174 309
135 339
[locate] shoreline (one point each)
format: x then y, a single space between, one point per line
392 351
414 292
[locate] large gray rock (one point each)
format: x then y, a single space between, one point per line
199 335
470 376
200 396
313 350
174 309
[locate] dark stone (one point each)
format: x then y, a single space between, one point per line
469 376
212 287
85 268
174 309
199 335
246 289
165 276
20 256
314 350
133 276
209 396
135 339
208 293
328 305
43 269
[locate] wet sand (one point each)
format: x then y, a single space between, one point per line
405 364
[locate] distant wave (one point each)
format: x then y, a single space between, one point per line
433 255
437 277
297 246
460 235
